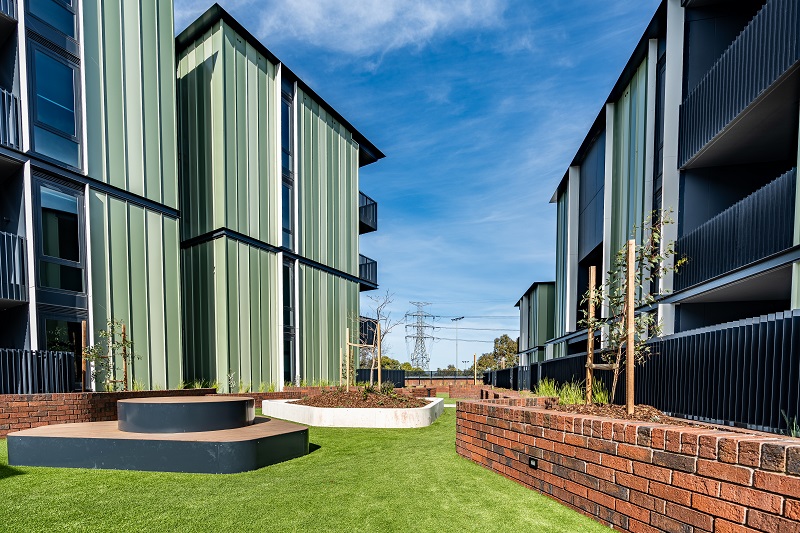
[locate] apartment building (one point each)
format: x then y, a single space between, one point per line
271 213
702 121
210 200
89 178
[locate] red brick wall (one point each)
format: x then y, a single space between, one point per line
23 411
637 476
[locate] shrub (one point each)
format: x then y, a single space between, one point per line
571 393
546 387
387 387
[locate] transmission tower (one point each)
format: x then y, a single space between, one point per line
420 358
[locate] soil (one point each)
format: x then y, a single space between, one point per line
641 413
359 399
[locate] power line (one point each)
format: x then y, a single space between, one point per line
478 316
459 340
473 329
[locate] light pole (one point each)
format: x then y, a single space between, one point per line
465 361
456 320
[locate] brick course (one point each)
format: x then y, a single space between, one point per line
637 476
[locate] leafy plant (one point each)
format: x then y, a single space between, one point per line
571 393
138 385
792 428
243 387
114 346
546 387
652 262
387 387
599 392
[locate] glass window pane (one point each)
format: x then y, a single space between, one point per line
55 276
286 135
60 233
54 13
55 93
55 146
286 206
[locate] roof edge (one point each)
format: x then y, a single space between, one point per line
368 152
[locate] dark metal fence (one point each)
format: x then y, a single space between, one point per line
761 54
368 269
9 8
35 372
754 228
367 213
398 377
744 373
13 269
10 121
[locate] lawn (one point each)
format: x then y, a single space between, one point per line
354 479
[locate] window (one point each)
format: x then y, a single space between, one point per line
60 264
54 109
287 159
289 373
59 14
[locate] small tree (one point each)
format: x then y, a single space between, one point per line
114 344
383 317
651 262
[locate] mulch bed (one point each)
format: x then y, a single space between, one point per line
358 399
641 413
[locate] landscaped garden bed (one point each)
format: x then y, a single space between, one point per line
637 475
361 399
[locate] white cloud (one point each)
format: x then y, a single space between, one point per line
370 27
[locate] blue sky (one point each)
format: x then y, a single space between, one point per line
479 105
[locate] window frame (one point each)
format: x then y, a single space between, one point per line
39 229
43 27
35 47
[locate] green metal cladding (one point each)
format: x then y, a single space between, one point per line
232 313
227 95
127 96
328 306
628 166
135 278
328 188
540 303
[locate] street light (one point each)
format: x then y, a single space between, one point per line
456 320
465 364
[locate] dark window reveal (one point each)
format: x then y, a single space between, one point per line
60 265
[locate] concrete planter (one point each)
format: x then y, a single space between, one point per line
355 418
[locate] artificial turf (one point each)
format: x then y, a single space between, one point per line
354 479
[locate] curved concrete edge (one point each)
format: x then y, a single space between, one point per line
336 417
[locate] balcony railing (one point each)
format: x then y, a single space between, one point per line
767 47
9 8
754 228
13 269
11 121
367 214
368 271
34 372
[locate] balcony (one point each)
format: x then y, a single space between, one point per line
367 273
10 121
9 8
756 227
744 109
13 270
367 214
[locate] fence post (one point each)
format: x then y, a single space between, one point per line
630 345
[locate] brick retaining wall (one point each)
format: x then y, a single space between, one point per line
637 476
23 411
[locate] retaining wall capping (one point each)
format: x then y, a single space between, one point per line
343 417
638 476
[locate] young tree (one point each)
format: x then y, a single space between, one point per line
652 260
114 345
382 316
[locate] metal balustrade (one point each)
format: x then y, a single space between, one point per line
765 49
36 372
10 121
368 270
9 8
756 227
13 268
367 214
742 373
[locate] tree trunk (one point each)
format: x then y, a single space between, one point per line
616 375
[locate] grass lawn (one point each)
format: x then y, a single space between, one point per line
356 479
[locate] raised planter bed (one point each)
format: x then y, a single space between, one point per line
638 476
354 417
